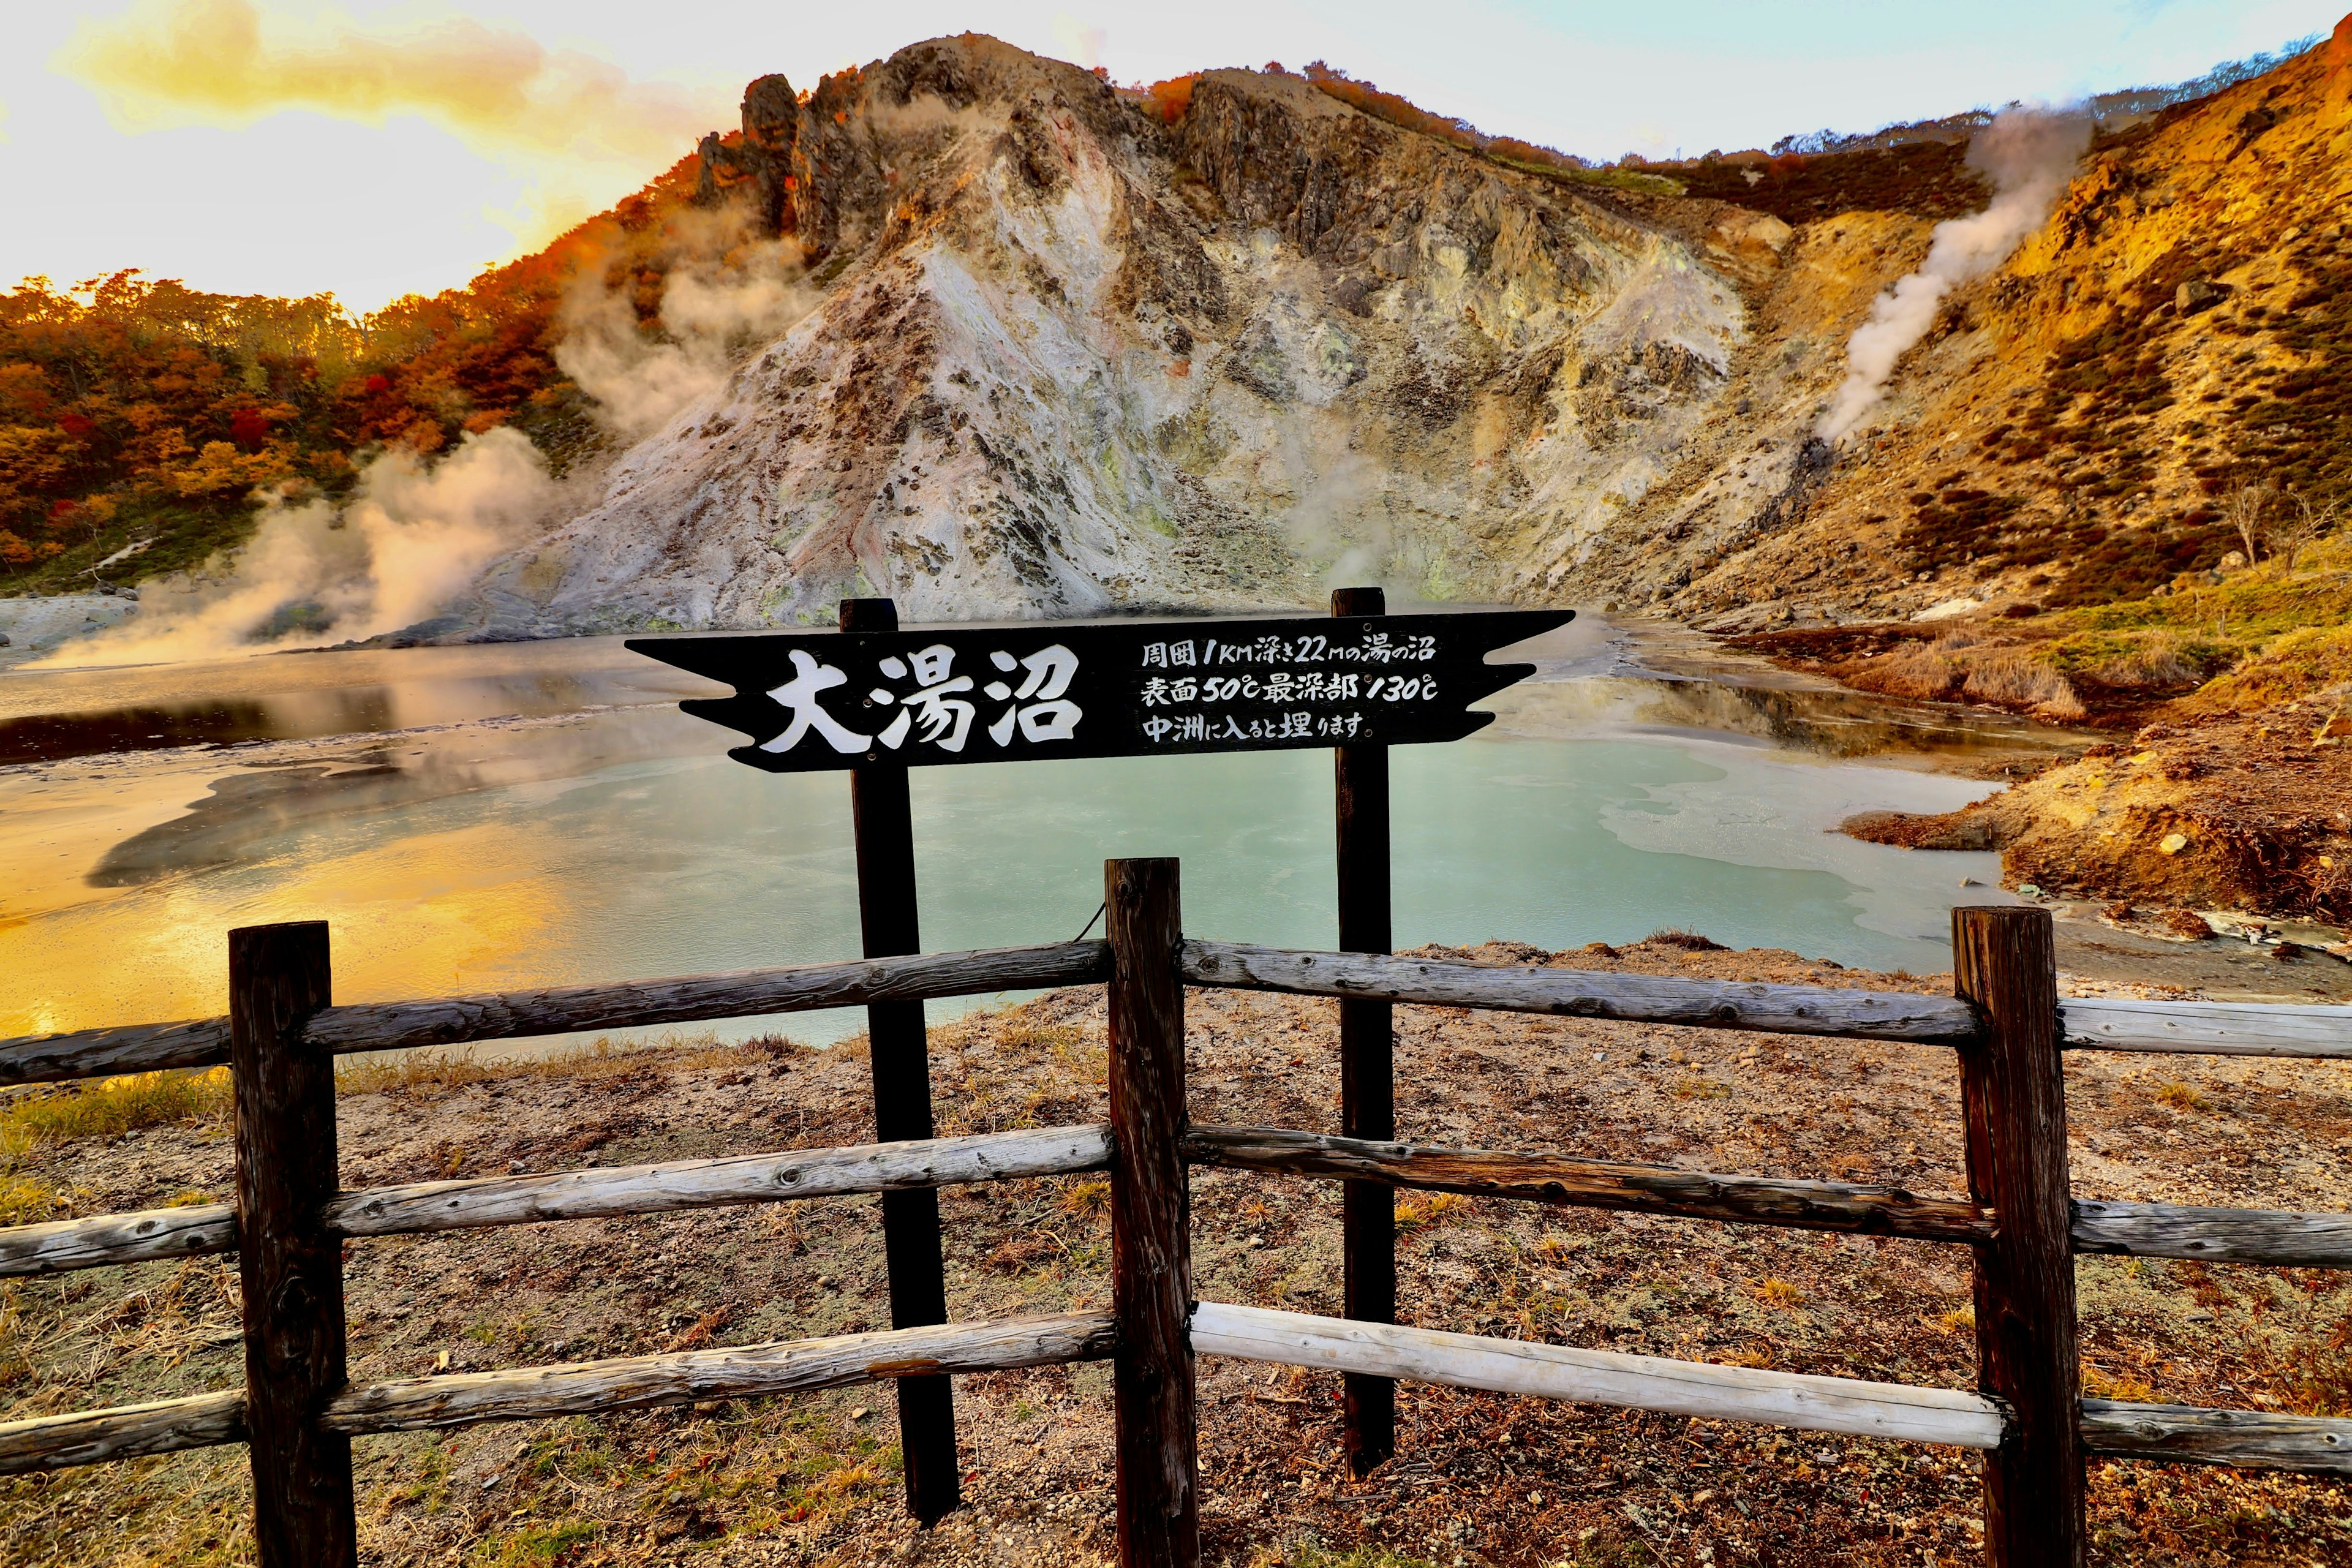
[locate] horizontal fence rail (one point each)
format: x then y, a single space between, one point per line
595 1193
2170 1434
1584 993
1593 1183
513 1014
2221 1028
743 1371
2214 1236
704 1183
580 1388
2189 1433
110 1238
2271 1237
124 1432
1847 1405
2212 1028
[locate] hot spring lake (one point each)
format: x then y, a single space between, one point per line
492 817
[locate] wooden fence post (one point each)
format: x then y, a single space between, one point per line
900 1061
289 1263
2013 1089
1151 1249
1367 1073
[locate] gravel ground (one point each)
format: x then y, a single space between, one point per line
1478 1480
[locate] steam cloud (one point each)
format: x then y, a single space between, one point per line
2029 155
711 310
503 92
409 541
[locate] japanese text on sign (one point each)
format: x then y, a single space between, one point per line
932 700
1183 709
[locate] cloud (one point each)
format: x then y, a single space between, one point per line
561 117
1080 45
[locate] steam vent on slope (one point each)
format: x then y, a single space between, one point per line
1061 356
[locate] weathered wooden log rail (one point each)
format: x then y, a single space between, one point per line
2020 1224
570 1009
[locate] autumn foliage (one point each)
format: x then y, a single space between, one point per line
137 410
1171 98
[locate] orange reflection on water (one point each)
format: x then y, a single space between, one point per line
432 913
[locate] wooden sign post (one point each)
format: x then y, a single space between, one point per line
1367 1075
883 819
874 699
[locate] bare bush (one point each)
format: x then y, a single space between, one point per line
2306 526
2243 512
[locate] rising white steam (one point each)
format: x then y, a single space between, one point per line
711 311
2029 155
409 541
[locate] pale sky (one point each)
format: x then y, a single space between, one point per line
370 149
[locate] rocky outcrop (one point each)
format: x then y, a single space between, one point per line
760 166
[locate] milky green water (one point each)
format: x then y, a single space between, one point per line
487 818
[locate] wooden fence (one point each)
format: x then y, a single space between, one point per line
299 1412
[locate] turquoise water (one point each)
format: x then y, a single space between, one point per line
594 832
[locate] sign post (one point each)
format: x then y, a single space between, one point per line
1367 1077
900 1059
874 699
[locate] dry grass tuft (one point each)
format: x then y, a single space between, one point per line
1915 669
1777 1292
1087 1197
2180 1096
2160 660
2014 677
416 1071
1689 940
2188 923
111 1107
1427 1211
28 1200
2099 1384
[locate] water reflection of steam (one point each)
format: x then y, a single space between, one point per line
246 816
1830 723
54 716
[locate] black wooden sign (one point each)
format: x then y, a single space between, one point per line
1039 689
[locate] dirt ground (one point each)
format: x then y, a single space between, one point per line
1478 1480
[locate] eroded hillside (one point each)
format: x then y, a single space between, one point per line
979 330
1062 356
2074 429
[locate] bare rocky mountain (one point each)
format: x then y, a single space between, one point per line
1064 357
